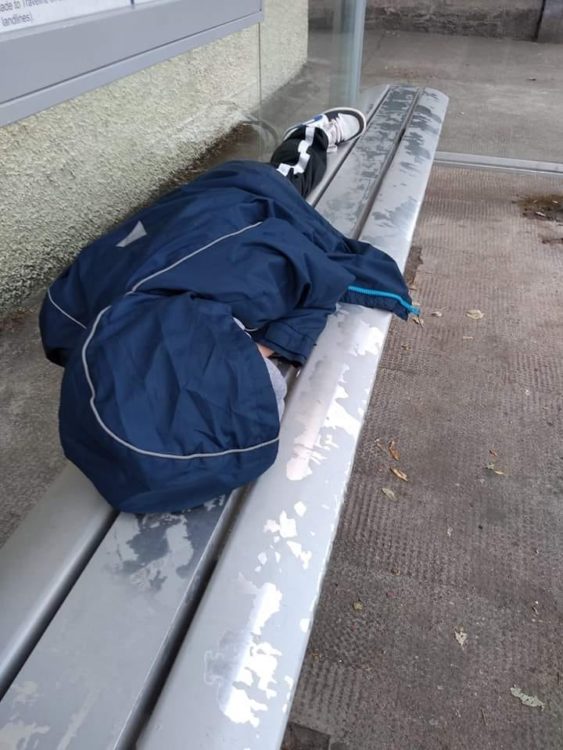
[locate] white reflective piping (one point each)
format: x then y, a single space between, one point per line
304 155
240 324
154 454
195 252
64 312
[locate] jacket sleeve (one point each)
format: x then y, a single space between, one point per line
367 276
313 284
378 281
294 336
297 281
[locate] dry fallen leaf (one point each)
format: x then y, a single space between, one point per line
406 347
436 314
358 606
400 474
475 314
418 320
388 493
527 700
460 636
468 338
493 452
491 467
393 452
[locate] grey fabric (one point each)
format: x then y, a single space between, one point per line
278 381
278 384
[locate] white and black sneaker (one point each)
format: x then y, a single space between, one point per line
341 124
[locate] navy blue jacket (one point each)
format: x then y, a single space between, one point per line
165 401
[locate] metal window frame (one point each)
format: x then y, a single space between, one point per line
45 65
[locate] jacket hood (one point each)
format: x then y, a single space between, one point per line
172 402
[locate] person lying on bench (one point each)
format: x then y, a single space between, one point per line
166 325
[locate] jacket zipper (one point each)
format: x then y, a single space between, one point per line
374 293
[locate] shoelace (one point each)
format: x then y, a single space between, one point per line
334 132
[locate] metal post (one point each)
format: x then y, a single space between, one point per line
550 27
347 48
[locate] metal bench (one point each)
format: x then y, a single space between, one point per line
189 630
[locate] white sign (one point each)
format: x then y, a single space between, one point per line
16 15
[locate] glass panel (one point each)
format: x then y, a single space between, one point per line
505 93
316 65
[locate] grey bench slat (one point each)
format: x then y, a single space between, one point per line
366 165
233 679
86 682
409 172
41 561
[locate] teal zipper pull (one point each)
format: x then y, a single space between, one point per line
412 309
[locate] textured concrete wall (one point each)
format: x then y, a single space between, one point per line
513 19
283 40
71 172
